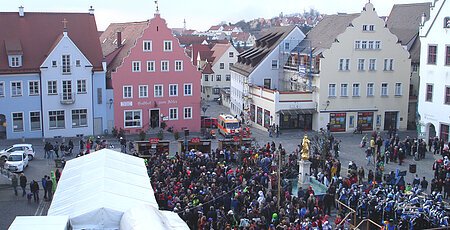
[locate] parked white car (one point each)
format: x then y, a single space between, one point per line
17 161
27 148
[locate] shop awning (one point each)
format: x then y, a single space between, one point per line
296 111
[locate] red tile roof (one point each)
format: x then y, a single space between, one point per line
219 50
207 69
204 51
186 40
214 27
35 34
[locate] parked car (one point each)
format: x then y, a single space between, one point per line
27 148
17 161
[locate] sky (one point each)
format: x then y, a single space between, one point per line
199 14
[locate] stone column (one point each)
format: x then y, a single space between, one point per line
303 173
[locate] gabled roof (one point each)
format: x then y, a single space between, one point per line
214 27
203 50
207 68
129 31
187 40
251 58
404 21
218 50
240 36
34 34
326 31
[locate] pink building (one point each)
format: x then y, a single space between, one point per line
152 78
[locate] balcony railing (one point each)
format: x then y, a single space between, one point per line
67 98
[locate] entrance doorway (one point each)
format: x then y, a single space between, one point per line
2 126
154 118
390 120
431 131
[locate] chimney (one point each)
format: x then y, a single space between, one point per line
424 18
119 39
91 11
21 13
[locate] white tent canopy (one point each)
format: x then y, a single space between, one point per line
143 216
96 189
40 223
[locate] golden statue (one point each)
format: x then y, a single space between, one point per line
305 148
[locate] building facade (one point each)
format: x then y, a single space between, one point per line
47 85
154 81
434 91
364 74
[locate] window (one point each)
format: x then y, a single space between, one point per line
173 113
158 91
332 90
33 87
344 64
221 65
167 45
372 64
344 88
77 63
66 64
444 132
384 89
127 91
17 122
230 54
143 91
187 89
132 118
371 47
355 91
398 89
415 68
35 121
136 66
388 64
150 66
54 64
56 119
286 45
52 88
147 46
429 93
357 45
230 65
178 65
432 52
206 77
79 118
377 45
361 64
16 88
365 27
218 77
267 83
81 86
370 89
447 55
371 27
15 61
364 45
447 95
2 88
216 91
164 66
173 90
228 77
447 22
274 64
67 90
187 112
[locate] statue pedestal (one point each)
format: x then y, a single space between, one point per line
303 173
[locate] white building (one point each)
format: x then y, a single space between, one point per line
364 73
434 91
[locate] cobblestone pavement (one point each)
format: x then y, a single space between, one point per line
12 206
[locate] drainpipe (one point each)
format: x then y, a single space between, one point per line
42 106
92 101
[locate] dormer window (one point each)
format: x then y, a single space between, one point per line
15 61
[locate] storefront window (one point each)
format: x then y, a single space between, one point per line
259 116
365 119
252 112
337 122
444 132
266 118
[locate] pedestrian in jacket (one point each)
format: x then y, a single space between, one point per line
49 188
34 188
44 182
14 183
23 184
